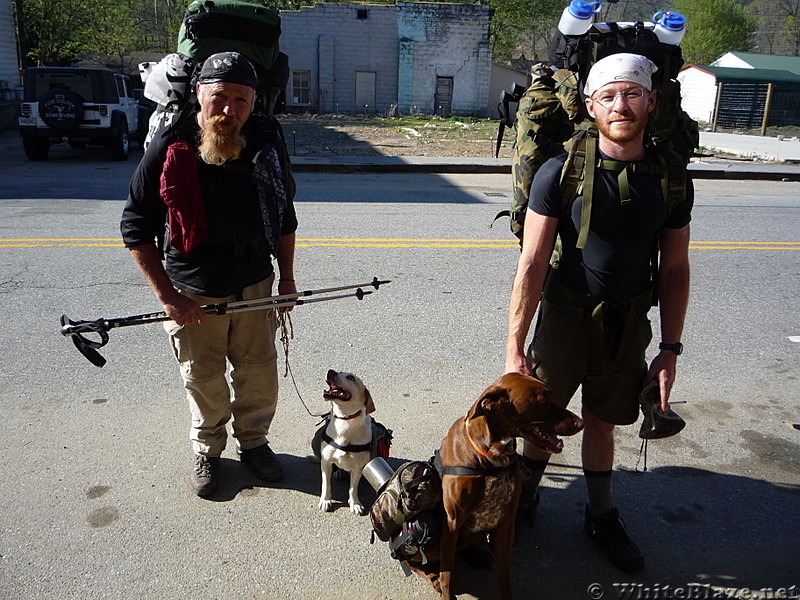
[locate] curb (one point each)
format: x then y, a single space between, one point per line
722 171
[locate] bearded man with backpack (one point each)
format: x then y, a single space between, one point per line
592 329
220 183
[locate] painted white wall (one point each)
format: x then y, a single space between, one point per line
407 46
503 80
698 93
333 44
730 60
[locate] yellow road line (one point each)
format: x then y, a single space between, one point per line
382 243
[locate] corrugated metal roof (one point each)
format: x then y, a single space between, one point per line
731 75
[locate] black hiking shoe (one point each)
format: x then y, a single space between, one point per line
263 462
204 475
609 532
526 510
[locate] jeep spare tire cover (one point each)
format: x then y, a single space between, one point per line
61 110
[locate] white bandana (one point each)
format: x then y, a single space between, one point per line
620 67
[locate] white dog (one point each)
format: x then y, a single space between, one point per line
348 436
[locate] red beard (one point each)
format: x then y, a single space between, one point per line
621 132
221 140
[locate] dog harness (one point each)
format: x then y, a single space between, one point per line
468 471
348 447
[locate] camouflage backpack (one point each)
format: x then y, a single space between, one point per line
552 118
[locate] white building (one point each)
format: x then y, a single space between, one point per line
736 97
419 57
503 80
753 60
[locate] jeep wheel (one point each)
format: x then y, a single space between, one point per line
118 147
36 148
61 110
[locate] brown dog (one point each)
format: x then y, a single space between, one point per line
481 477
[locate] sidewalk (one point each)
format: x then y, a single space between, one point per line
746 148
754 146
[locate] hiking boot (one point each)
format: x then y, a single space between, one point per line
204 475
609 532
526 510
263 461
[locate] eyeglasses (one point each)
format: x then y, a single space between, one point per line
631 96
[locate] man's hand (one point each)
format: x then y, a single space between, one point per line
663 369
179 308
286 286
183 310
517 363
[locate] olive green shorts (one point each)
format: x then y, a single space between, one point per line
568 351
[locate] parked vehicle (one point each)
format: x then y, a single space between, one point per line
82 106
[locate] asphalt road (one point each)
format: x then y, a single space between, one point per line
94 493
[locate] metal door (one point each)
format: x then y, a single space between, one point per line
365 91
443 98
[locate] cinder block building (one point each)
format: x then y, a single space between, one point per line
431 58
9 64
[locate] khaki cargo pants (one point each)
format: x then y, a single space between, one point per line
230 373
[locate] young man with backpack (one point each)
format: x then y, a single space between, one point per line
220 183
592 329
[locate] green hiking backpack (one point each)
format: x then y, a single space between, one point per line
212 26
209 27
552 118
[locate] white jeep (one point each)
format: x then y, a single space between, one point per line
81 106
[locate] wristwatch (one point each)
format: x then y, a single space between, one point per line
677 347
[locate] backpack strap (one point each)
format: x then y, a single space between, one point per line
625 168
673 191
576 179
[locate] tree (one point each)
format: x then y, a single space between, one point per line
50 27
714 27
523 25
56 31
779 26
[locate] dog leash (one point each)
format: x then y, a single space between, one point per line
287 334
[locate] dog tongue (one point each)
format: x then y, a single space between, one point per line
547 440
335 391
554 444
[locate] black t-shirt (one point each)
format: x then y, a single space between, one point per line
615 263
235 253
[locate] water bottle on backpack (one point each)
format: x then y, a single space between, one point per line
669 27
578 17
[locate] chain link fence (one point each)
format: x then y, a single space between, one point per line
756 106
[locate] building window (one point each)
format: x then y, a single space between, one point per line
301 87
362 14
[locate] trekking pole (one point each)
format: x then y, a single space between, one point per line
100 327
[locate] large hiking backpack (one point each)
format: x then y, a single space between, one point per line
209 27
552 118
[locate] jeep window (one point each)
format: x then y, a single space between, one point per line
121 92
80 83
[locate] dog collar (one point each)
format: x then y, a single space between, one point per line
348 417
471 441
475 446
